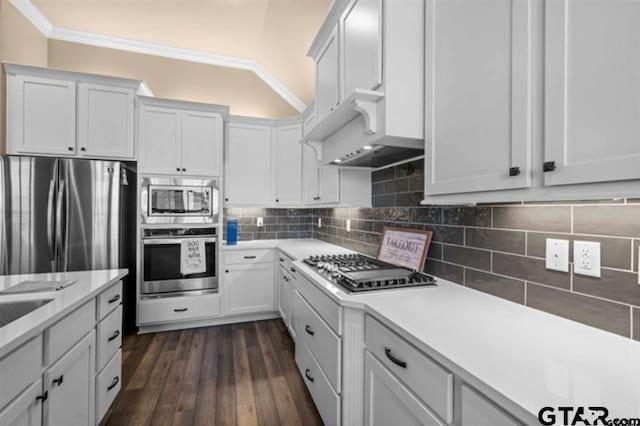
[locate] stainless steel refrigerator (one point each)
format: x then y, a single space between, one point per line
59 215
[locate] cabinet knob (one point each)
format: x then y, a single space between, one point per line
548 166
514 171
226 199
70 148
226 271
83 149
177 169
277 200
184 170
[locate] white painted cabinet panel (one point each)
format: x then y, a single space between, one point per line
284 295
311 176
26 409
329 184
592 112
248 165
105 121
389 402
287 165
362 45
159 140
201 143
478 411
249 288
41 116
328 77
478 109
70 386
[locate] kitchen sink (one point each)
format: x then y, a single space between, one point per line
11 311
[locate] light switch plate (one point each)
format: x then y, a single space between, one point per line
260 222
586 258
348 225
557 255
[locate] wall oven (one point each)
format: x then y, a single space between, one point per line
179 201
161 262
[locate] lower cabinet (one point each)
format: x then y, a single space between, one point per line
70 386
108 384
479 411
249 288
388 401
284 295
26 409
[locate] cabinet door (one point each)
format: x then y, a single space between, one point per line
287 161
201 143
105 121
478 70
41 116
311 176
329 184
362 45
327 75
592 114
25 409
284 295
159 140
70 386
478 411
249 288
389 402
248 165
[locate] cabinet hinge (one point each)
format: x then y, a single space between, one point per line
549 166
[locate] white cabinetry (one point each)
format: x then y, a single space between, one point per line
362 41
70 386
59 113
26 409
180 138
478 101
287 165
592 91
247 165
249 285
328 77
478 411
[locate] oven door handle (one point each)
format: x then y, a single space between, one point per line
155 241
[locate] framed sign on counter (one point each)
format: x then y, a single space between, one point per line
405 247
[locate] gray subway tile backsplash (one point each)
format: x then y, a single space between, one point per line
529 269
495 285
613 285
636 323
621 220
495 239
465 256
533 218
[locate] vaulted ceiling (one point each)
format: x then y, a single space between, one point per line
274 33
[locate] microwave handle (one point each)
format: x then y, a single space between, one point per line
156 241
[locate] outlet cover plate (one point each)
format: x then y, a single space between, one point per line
348 225
557 255
260 222
586 258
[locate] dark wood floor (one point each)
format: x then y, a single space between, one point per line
239 374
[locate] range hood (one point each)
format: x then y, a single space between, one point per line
378 156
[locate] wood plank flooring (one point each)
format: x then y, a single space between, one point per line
238 374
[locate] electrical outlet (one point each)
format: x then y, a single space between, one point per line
260 222
348 225
557 255
319 222
586 258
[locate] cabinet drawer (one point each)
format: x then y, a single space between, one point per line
109 337
61 336
427 379
328 310
19 369
479 411
326 400
109 299
243 257
108 385
324 344
183 308
285 262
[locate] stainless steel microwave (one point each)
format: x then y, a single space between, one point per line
179 201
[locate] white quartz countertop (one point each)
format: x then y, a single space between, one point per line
529 357
88 284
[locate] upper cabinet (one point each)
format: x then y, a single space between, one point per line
180 138
361 27
531 101
369 58
478 100
287 165
592 91
51 112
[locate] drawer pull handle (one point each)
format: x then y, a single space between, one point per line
113 384
43 397
281 260
293 269
181 310
250 257
58 381
393 359
309 330
308 376
114 299
114 336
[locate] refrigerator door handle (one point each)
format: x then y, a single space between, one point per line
50 220
60 228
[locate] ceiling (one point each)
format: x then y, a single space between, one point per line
274 33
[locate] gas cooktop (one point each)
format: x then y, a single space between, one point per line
359 273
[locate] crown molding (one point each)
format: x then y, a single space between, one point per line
65 34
